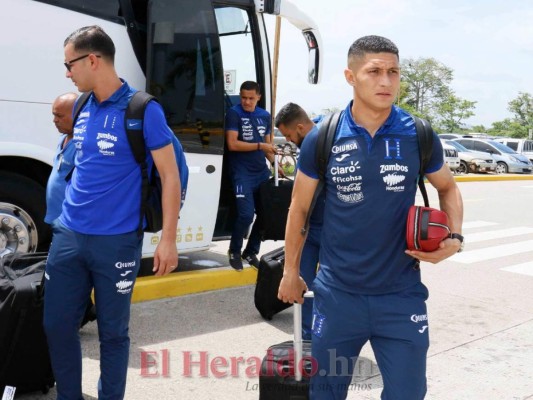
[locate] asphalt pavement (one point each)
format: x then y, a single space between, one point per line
207 342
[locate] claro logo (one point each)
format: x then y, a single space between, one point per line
121 265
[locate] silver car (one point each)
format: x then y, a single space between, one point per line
472 161
507 160
522 146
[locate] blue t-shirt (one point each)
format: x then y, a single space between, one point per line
55 189
370 185
252 128
104 195
317 215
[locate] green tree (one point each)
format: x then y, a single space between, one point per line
508 128
478 128
451 112
426 83
404 102
522 108
519 126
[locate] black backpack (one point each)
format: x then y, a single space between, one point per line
151 188
326 136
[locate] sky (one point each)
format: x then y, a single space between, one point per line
487 43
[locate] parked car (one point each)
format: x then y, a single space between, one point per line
451 157
450 136
507 160
472 161
477 135
522 146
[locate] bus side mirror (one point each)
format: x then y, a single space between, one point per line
268 6
313 66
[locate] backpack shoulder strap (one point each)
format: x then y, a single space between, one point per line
326 136
133 123
424 134
82 100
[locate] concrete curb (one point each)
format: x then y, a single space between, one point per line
502 177
182 283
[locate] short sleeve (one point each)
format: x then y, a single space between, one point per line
437 156
232 120
307 159
157 133
269 125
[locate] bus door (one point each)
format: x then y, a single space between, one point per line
242 59
184 70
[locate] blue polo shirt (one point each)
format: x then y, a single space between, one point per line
104 195
252 127
370 185
55 188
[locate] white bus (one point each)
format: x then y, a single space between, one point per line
191 54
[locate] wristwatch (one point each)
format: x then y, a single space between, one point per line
460 238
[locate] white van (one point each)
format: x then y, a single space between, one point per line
451 157
522 146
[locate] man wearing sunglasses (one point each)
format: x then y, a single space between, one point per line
96 241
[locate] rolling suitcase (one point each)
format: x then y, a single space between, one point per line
287 367
25 362
268 279
274 201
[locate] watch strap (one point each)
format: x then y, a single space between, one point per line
457 236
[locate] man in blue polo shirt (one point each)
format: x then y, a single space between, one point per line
64 157
294 123
368 287
248 130
96 240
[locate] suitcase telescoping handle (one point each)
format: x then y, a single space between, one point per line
276 178
298 344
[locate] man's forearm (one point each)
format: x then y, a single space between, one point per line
239 145
294 239
451 202
171 203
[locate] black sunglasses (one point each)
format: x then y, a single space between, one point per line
68 65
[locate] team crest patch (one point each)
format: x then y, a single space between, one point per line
319 321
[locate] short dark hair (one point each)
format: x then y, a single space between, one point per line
92 39
372 44
251 85
289 114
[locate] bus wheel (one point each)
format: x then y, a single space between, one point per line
22 211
